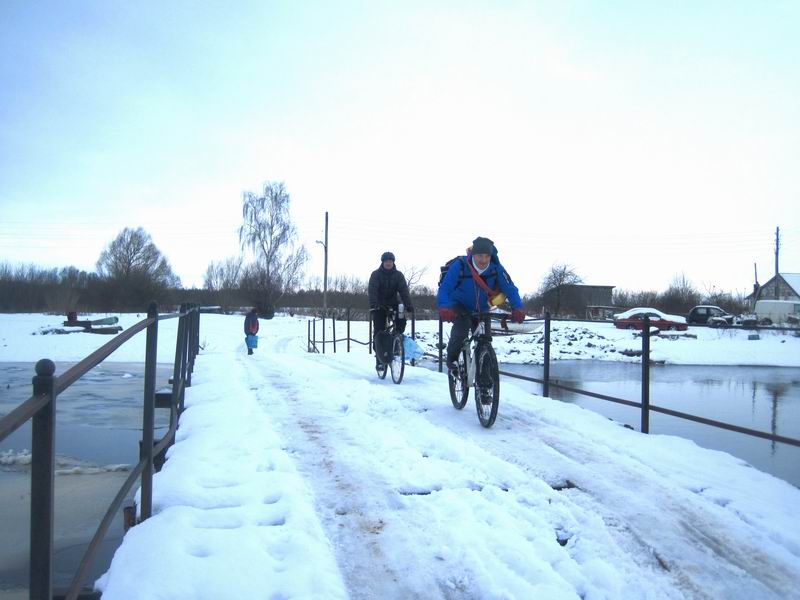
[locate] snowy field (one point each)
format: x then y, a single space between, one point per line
301 475
22 339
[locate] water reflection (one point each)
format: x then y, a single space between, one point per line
761 398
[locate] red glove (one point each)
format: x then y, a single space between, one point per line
517 316
447 314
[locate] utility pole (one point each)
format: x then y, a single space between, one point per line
755 284
777 250
325 273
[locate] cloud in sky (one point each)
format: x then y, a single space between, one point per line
632 141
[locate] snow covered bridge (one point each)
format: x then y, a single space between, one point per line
300 475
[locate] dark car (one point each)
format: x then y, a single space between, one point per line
712 316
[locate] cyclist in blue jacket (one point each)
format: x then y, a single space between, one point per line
469 285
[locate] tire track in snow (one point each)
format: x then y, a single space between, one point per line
352 523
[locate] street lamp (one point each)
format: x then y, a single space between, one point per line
325 276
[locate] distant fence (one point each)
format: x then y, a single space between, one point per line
40 408
314 344
644 404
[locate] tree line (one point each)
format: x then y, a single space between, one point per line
268 274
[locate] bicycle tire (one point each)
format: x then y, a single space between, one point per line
459 388
397 366
487 384
381 370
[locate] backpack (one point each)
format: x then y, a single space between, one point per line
446 267
464 275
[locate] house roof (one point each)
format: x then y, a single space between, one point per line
793 279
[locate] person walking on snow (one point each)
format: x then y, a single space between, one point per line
470 283
385 283
250 328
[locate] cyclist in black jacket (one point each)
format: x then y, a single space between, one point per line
385 284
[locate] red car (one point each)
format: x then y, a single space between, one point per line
634 319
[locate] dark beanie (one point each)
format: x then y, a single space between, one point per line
482 245
387 256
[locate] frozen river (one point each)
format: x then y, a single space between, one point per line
98 428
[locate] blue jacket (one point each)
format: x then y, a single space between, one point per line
458 290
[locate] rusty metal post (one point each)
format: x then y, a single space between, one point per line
43 434
323 334
187 353
348 329
308 336
314 323
413 333
646 375
440 345
546 375
177 395
334 333
148 418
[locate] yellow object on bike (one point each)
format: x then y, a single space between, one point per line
498 299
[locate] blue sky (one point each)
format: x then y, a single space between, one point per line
631 140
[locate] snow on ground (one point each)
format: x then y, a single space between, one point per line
300 475
21 339
602 341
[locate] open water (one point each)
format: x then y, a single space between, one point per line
98 428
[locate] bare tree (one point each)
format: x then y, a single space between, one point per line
680 296
413 275
554 282
268 231
135 269
224 278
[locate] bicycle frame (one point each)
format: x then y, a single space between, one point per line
477 335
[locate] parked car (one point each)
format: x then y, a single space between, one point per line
634 319
713 316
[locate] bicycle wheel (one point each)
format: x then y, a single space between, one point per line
459 386
397 365
487 384
381 370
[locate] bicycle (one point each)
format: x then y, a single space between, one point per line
396 363
477 367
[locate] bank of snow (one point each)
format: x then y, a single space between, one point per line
21 339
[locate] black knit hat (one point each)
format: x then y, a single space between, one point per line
482 245
387 256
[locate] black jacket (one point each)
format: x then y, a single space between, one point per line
384 286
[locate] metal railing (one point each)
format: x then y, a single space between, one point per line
40 408
546 382
312 341
644 403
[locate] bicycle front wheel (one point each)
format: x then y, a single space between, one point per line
459 386
397 365
487 384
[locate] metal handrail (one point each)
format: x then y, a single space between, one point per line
312 342
21 415
40 408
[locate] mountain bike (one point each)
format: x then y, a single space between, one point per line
396 363
477 367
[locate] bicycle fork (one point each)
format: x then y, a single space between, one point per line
471 366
